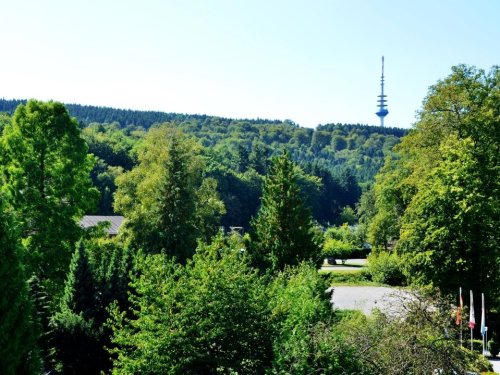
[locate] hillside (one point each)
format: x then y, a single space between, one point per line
337 159
361 148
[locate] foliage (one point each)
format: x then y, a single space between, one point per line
493 347
439 200
417 341
386 268
355 277
96 279
166 202
115 152
304 340
282 233
209 316
18 331
339 242
45 172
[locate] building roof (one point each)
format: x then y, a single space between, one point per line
92 220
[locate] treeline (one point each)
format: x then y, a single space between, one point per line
361 148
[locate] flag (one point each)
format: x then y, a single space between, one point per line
460 307
483 316
472 318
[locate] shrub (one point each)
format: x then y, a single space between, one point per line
337 249
493 347
386 268
348 277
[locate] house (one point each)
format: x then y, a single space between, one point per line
116 221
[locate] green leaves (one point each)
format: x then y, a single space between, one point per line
282 233
165 200
46 172
18 330
205 317
438 202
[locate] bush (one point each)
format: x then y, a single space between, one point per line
477 345
386 268
493 347
348 277
337 249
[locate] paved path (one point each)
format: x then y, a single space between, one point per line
496 364
365 298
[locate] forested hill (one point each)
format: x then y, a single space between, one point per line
360 148
87 114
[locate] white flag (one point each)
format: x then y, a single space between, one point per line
472 318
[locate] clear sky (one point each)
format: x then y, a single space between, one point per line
313 62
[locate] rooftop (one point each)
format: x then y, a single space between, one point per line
116 221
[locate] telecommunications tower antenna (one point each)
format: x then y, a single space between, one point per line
382 107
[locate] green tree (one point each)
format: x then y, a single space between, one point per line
18 333
207 317
46 174
79 334
282 232
439 199
165 200
340 242
297 302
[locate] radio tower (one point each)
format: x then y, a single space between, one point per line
382 107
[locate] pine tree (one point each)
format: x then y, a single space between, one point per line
282 233
79 290
165 199
18 352
76 339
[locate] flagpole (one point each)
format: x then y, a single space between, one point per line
460 302
471 338
483 321
472 321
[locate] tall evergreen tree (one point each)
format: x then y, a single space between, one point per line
18 352
282 232
166 201
78 336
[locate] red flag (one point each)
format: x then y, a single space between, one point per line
472 318
460 307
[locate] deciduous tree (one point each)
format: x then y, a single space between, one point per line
46 174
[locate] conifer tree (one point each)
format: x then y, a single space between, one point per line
282 233
165 199
18 352
79 290
76 338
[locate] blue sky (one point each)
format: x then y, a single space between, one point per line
313 62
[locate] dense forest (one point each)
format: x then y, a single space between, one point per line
173 294
338 159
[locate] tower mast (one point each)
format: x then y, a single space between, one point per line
382 107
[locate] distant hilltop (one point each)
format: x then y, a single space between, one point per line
87 114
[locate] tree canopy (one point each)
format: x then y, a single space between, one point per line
439 200
282 232
165 199
45 171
